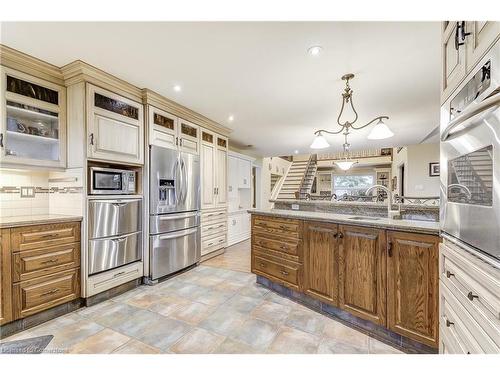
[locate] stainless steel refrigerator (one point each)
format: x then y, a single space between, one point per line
174 209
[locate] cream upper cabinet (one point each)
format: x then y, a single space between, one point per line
221 169
162 128
214 160
115 128
464 43
245 173
167 130
207 162
188 136
453 58
33 125
479 35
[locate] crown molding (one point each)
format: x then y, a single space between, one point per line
152 98
79 71
18 60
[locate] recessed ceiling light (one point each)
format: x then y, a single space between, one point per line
177 88
296 151
315 50
230 118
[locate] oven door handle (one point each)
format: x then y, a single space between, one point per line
474 110
177 235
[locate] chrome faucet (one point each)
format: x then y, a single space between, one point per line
390 212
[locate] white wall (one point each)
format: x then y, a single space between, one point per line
274 165
416 158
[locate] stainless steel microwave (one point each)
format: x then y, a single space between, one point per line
109 181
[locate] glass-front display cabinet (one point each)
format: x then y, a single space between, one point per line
33 129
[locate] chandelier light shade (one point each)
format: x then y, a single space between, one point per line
345 165
319 142
380 131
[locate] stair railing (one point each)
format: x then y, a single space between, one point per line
311 163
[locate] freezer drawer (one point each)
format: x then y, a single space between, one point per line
109 253
173 222
114 217
171 252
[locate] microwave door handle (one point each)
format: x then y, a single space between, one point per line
473 110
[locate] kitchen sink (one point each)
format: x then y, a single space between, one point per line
364 218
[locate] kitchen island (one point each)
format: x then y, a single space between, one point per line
376 274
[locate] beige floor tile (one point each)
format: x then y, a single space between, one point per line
306 320
198 341
192 313
136 347
256 333
340 332
145 300
169 304
378 347
294 341
103 342
271 312
331 346
230 346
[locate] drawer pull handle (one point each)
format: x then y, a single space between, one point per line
284 273
52 291
221 240
284 227
449 274
448 323
49 235
262 264
283 247
118 274
471 296
50 261
210 244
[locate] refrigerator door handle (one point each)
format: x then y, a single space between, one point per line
177 181
184 180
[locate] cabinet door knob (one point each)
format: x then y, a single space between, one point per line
1 140
389 249
341 235
449 274
448 323
471 296
335 235
92 139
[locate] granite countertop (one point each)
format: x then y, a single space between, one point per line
352 203
20 221
417 226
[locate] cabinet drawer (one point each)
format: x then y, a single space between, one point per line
109 279
43 293
288 247
41 236
285 271
213 216
284 228
458 323
35 263
213 243
476 290
213 229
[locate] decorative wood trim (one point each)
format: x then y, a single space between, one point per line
79 71
159 101
15 59
5 277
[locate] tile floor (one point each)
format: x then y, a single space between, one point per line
209 309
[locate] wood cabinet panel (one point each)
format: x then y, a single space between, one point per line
288 228
42 293
286 246
321 261
362 272
278 268
41 236
35 263
412 286
5 277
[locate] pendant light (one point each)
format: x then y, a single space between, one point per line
345 164
380 131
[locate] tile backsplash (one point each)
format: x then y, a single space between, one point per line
54 192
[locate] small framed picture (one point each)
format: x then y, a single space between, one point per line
433 169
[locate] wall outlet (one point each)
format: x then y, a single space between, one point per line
27 191
295 206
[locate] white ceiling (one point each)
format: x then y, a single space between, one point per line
261 73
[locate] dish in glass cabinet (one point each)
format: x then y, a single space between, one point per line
21 128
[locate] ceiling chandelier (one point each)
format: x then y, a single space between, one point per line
379 131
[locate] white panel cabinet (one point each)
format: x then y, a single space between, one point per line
238 225
480 36
115 128
213 170
245 173
169 131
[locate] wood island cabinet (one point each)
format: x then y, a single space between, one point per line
412 286
5 277
389 278
321 272
362 272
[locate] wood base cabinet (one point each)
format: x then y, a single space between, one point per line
412 286
362 272
321 261
5 277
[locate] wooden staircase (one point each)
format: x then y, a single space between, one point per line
299 179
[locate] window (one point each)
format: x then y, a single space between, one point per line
352 184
